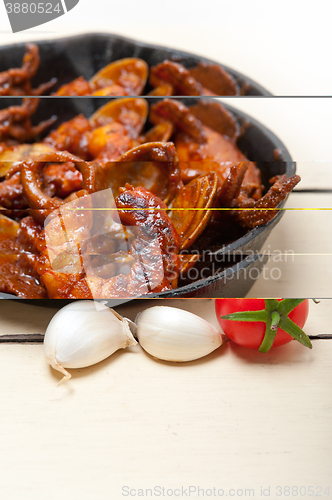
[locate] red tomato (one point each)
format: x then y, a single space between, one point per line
251 334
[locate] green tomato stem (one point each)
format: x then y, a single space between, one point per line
295 331
270 335
248 316
285 306
271 305
275 320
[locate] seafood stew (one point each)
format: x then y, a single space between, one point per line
169 172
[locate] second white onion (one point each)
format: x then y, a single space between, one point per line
173 334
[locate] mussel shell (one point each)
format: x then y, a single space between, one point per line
130 74
8 227
188 208
160 133
16 154
130 112
153 165
164 89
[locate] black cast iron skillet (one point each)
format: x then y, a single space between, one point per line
68 58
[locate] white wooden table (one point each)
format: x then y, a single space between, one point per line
234 420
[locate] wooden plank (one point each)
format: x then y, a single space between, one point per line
314 175
318 322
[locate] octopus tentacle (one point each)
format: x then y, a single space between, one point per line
275 195
231 187
15 122
17 81
180 116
